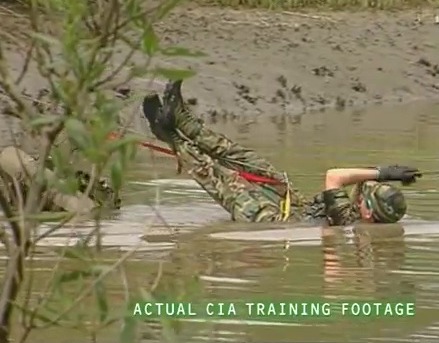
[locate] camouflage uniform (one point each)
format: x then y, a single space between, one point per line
214 161
386 202
100 195
15 163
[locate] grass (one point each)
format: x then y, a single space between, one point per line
328 5
322 4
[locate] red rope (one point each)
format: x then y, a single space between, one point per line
245 175
258 179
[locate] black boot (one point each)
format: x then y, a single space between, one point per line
152 110
173 105
175 113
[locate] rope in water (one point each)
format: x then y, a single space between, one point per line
246 175
285 204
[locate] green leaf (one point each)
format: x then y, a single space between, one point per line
95 71
116 175
174 74
42 38
41 217
129 330
67 186
58 158
99 269
110 322
138 71
74 253
74 275
122 142
181 52
130 322
146 296
44 120
167 327
150 42
101 298
77 133
57 5
131 151
38 315
166 7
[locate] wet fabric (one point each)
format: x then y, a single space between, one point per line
339 208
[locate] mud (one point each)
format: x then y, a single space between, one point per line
286 63
272 63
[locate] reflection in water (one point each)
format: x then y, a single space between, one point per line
362 262
374 252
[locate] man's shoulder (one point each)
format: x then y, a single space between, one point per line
338 207
336 194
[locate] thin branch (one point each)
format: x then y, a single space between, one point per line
7 210
118 69
42 301
90 288
12 281
158 277
26 64
5 239
69 216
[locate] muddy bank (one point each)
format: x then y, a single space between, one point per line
268 63
276 63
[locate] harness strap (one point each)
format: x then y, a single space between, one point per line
285 204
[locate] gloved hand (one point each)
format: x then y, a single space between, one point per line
407 175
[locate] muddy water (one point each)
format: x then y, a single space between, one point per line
207 256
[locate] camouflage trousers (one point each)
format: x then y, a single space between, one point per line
214 162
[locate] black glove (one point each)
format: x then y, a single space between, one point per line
407 175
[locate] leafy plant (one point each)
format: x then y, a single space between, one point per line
84 51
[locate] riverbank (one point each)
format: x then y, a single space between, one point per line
274 63
284 63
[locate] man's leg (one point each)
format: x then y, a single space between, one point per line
220 148
242 199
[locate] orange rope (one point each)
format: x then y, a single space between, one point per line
246 175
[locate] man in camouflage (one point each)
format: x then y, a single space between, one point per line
17 165
215 163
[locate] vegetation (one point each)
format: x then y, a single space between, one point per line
311 4
83 51
322 4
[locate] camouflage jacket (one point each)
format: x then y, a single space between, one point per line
333 207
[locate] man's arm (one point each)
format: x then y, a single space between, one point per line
338 178
338 206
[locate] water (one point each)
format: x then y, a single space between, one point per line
203 254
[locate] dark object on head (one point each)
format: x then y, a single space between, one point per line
386 202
